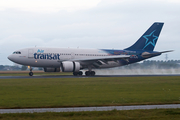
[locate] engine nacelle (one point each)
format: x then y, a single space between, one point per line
70 66
51 69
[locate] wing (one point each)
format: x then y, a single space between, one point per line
96 61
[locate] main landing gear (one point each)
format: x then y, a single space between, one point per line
90 73
78 73
30 73
87 73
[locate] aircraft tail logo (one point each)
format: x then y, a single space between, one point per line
148 40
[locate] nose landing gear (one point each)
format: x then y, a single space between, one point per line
30 73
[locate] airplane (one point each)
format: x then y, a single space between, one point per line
76 59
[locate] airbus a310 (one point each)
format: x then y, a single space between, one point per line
75 60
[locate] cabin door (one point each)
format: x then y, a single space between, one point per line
30 53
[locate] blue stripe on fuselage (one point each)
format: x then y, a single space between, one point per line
135 55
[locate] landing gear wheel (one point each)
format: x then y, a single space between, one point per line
87 73
78 73
92 73
30 73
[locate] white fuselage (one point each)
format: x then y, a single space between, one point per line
52 57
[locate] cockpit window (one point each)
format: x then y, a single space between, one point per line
17 52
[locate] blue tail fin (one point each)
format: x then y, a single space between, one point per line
148 40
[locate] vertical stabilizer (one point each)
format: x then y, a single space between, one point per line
148 40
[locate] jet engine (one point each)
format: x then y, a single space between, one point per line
51 69
70 66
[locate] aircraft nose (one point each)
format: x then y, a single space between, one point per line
10 57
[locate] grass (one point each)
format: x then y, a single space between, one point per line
72 92
156 114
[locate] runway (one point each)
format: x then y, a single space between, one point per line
78 109
71 76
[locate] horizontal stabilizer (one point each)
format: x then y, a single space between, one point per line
156 53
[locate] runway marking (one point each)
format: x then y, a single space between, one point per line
78 109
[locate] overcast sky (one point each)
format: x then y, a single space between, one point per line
113 24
